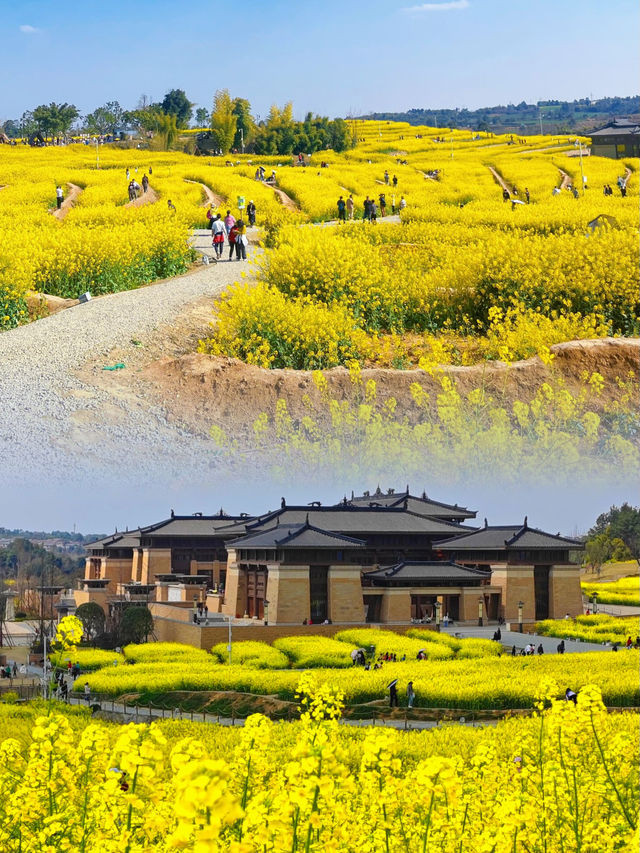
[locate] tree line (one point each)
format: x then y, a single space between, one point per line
563 116
230 122
614 536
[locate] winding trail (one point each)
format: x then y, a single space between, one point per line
285 200
566 179
210 197
81 425
150 197
499 179
68 202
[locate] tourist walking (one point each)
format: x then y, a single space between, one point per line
411 695
342 210
59 196
251 213
229 221
145 183
383 204
571 696
366 209
87 692
395 181
350 207
402 204
241 241
540 649
386 177
373 212
561 647
231 236
217 235
393 693
527 194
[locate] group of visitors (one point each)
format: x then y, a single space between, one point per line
134 189
393 694
371 207
201 613
61 686
234 230
9 671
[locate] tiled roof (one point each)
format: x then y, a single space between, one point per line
127 539
191 525
425 573
296 536
617 127
509 536
420 505
348 519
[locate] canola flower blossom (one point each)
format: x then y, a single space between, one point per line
469 678
596 628
622 591
564 779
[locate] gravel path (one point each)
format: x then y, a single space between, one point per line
52 424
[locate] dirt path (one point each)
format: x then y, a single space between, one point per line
211 197
499 179
566 179
68 203
426 175
75 417
150 197
285 200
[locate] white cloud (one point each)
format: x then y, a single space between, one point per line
447 6
27 28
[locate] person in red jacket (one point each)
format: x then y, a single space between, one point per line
233 234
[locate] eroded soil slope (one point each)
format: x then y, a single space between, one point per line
200 390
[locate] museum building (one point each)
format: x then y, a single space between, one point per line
377 558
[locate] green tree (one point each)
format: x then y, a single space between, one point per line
224 121
92 617
245 125
166 127
202 117
175 103
27 124
12 128
106 119
620 523
597 551
136 625
55 119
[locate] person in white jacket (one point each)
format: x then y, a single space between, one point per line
218 231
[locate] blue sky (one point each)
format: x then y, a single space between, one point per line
333 57
568 509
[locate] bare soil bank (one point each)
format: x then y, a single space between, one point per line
200 390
